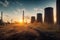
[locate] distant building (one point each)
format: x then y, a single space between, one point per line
32 19
48 16
39 17
58 11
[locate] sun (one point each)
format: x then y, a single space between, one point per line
25 21
20 21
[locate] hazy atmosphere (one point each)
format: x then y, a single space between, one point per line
12 9
29 19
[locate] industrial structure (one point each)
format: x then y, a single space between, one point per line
48 16
58 11
32 19
39 17
1 20
23 16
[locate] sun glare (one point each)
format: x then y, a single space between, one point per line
25 21
20 21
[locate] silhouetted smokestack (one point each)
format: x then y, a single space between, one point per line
23 16
32 19
58 11
39 17
48 15
1 16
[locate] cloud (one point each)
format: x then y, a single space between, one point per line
5 3
19 11
38 10
19 3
